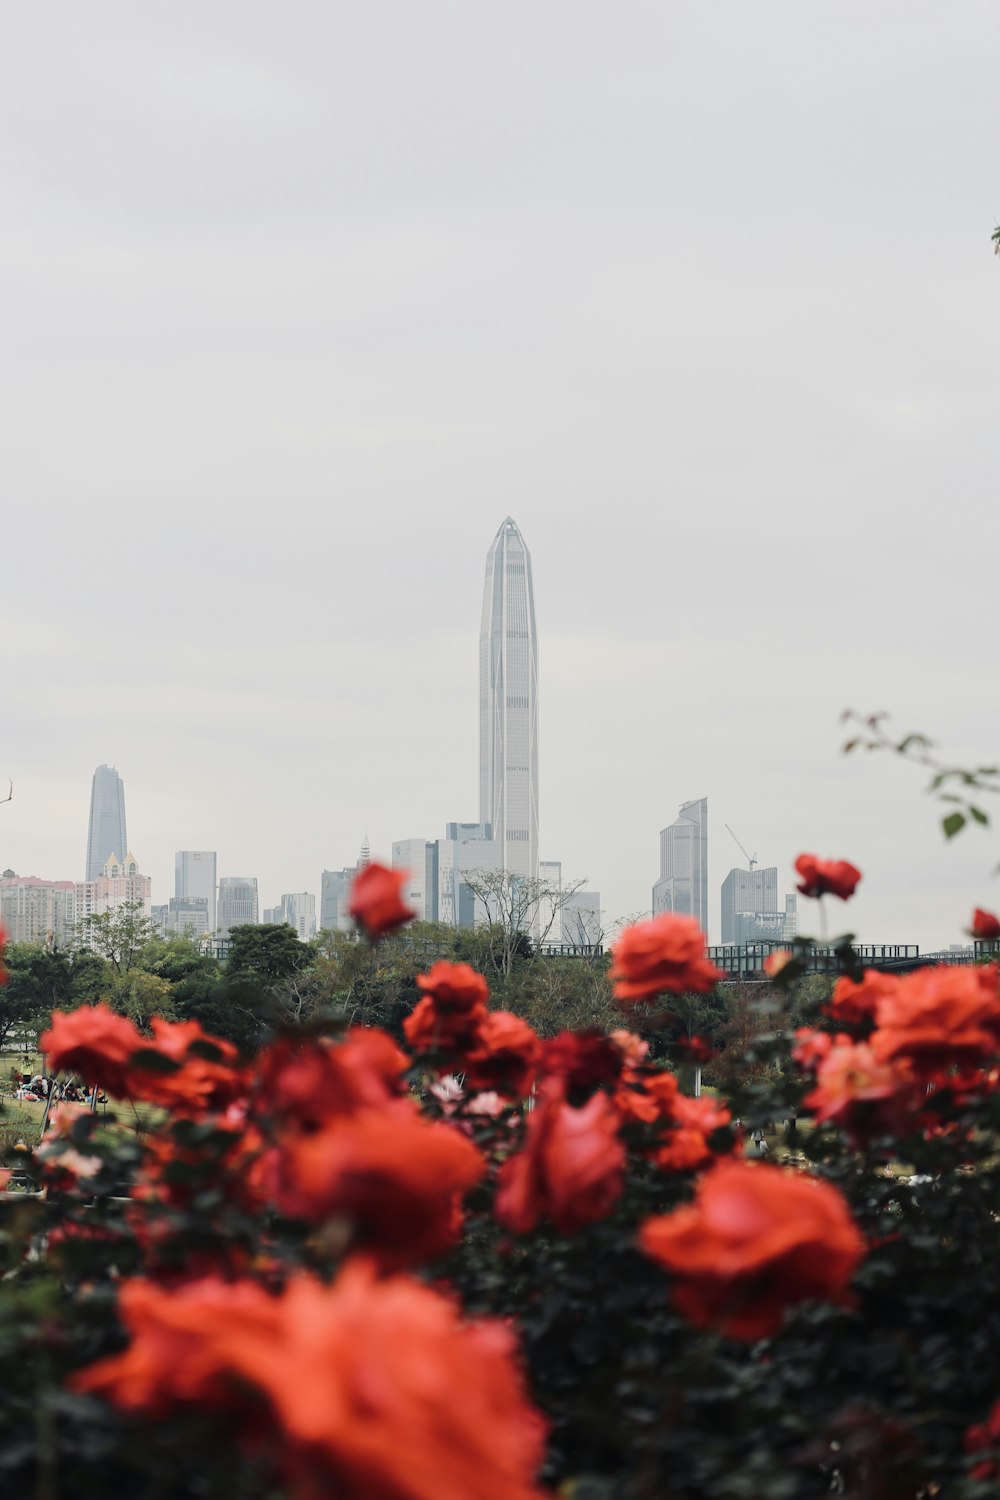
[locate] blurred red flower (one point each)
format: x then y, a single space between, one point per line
305 1082
858 1092
397 1180
985 926
376 903
940 1017
582 1059
96 1043
826 877
855 1004
364 1388
665 955
755 1241
208 1077
503 1056
452 1009
569 1169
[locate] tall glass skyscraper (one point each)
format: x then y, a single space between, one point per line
508 703
106 835
194 879
683 882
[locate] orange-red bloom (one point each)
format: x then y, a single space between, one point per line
940 1017
569 1169
503 1056
855 1004
304 1083
665 955
208 1076
376 903
826 877
96 1043
755 1241
857 1091
397 1180
985 926
366 1388
452 1010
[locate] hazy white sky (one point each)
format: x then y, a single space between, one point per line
299 302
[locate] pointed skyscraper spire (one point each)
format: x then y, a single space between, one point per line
508 702
365 857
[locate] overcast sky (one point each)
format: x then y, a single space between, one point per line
300 301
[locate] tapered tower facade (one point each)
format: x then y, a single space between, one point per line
508 703
106 834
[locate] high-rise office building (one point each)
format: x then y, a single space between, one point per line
581 920
683 883
420 858
184 916
237 903
297 910
752 910
747 893
106 834
466 849
335 893
334 896
508 703
195 878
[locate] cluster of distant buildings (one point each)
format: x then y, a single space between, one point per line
752 910
445 874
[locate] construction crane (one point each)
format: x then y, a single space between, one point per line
751 858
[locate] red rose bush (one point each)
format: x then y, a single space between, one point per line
466 1256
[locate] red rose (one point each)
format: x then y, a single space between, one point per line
663 955
503 1056
569 1169
201 1081
376 903
303 1083
644 1096
855 1004
755 1241
826 877
940 1017
96 1043
366 1387
457 987
583 1060
864 1096
452 1010
397 1180
985 926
